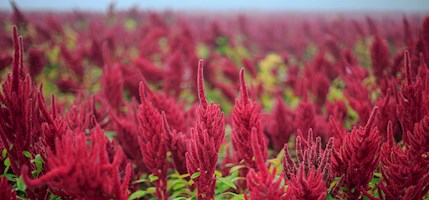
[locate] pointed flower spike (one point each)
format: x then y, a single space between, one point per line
201 94
371 121
142 92
244 95
16 59
407 63
390 139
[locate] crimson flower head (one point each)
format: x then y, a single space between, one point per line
112 82
303 187
6 190
81 162
311 155
262 184
358 156
280 124
18 119
380 58
206 138
411 106
246 116
152 143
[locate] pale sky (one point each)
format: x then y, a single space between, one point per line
227 5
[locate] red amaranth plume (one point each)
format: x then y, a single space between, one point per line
380 58
305 114
152 143
112 81
52 125
310 156
261 183
177 146
358 157
163 103
149 69
206 138
246 115
127 134
402 175
18 109
36 62
279 127
72 168
6 191
411 107
303 186
18 18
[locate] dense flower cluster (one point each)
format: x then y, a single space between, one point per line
114 106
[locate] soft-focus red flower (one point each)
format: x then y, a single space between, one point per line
262 183
380 58
279 126
6 190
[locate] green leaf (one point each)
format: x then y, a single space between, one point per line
4 153
329 197
218 173
179 176
27 154
195 175
137 194
54 197
38 161
140 181
176 184
275 161
227 182
235 168
10 177
151 190
180 198
152 178
230 195
20 185
6 170
191 182
6 162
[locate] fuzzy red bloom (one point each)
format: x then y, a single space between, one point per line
310 157
279 127
17 110
152 143
177 145
6 190
246 115
84 163
380 58
358 157
262 184
163 103
206 138
112 82
127 134
303 186
411 106
36 62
